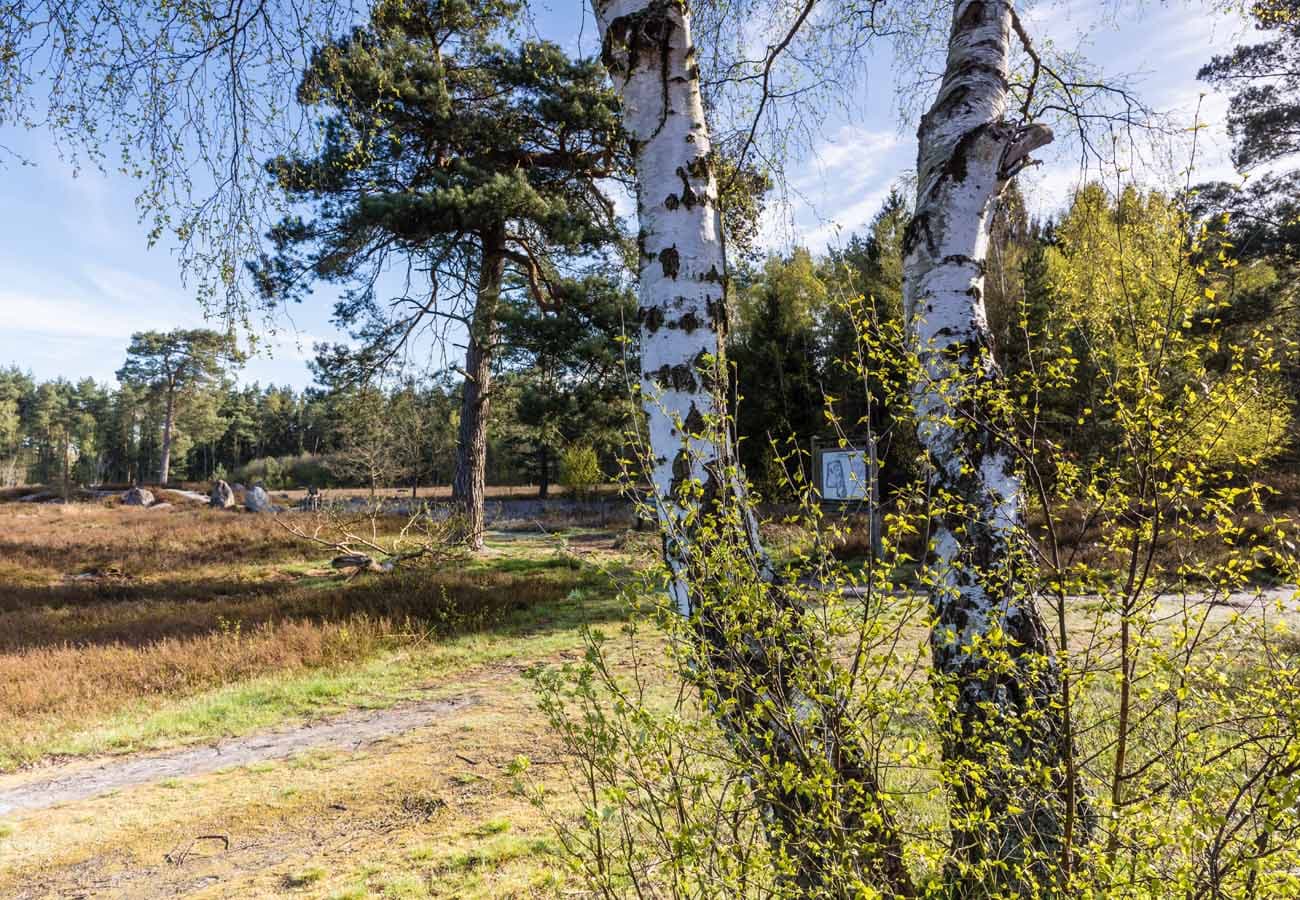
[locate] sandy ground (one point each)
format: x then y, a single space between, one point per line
69 782
379 803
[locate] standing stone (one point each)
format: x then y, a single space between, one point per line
256 500
138 496
312 501
222 496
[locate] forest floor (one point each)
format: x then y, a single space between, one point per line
194 704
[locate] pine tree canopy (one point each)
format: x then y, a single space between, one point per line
441 142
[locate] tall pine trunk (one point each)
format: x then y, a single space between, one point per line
165 466
1007 742
786 740
469 483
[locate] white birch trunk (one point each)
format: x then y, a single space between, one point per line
648 51
967 153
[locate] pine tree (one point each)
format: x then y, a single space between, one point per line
471 160
172 366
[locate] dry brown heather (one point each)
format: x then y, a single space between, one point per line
102 608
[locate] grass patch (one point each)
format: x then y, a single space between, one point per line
352 893
305 878
155 645
406 887
497 852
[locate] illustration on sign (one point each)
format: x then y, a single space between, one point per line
844 475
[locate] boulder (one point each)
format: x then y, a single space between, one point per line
138 496
223 497
312 501
256 500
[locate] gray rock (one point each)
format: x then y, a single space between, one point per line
223 497
256 500
138 497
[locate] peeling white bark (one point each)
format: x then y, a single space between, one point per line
967 153
648 51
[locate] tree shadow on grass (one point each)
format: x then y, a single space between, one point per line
521 598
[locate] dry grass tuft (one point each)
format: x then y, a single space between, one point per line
104 608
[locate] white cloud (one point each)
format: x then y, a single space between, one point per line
841 187
26 313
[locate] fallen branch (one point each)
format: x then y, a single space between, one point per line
358 542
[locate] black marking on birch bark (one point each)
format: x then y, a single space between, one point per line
950 95
641 237
671 203
681 472
971 17
713 276
705 364
650 317
641 36
698 167
961 259
689 197
630 36
671 260
919 225
717 309
713 488
694 422
674 378
687 323
957 166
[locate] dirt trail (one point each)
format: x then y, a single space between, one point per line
82 780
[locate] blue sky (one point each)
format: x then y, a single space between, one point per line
77 277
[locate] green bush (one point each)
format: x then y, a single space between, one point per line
284 472
580 470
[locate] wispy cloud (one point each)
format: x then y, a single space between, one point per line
843 183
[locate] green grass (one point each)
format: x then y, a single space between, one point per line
405 887
402 669
497 852
305 878
359 892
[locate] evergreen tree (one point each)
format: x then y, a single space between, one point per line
777 366
470 159
568 365
173 367
866 280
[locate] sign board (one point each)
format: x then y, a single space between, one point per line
843 474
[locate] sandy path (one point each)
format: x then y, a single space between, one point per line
82 780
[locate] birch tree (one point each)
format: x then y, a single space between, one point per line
767 676
1009 745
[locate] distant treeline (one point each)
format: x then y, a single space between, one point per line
796 327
